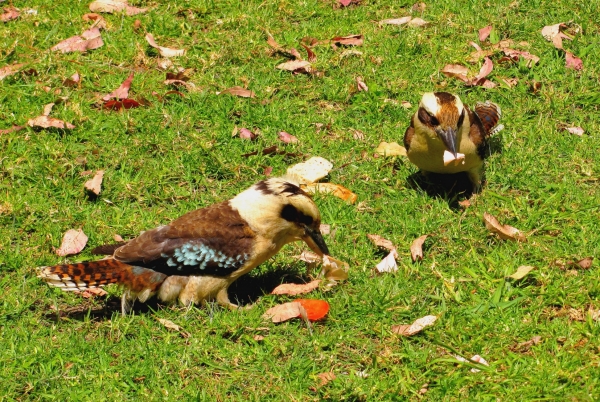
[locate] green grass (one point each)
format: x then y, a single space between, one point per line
177 155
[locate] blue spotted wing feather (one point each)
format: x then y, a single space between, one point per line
489 114
211 241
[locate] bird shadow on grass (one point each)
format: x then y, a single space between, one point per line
246 290
449 187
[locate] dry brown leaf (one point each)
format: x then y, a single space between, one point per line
89 40
310 171
331 188
169 324
238 91
456 71
122 92
11 130
524 347
94 185
350 40
419 7
72 81
585 263
98 20
246 134
484 33
388 264
311 56
415 327
309 257
553 33
114 6
405 104
287 137
334 269
417 22
10 70
293 289
573 61
396 21
390 149
296 66
505 232
416 248
521 272
49 122
361 85
575 130
325 378
118 238
324 228
10 13
284 312
381 242
476 359
72 243
164 51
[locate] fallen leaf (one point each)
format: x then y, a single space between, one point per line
113 6
122 92
510 82
417 22
309 257
246 134
345 3
575 130
293 289
485 70
505 232
91 292
388 264
11 130
268 171
121 104
164 51
296 66
522 271
330 188
524 347
72 243
48 109
464 203
573 61
416 327
310 171
350 40
484 33
396 21
238 91
390 149
361 85
553 34
586 263
449 158
284 312
334 269
311 56
164 64
405 105
416 248
379 241
10 70
287 137
98 20
531 59
258 338
44 121
169 324
88 40
72 81
419 7
94 185
10 13
456 71
324 228
118 238
325 378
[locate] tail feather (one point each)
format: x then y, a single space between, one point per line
93 274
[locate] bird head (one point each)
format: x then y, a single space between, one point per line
279 209
443 114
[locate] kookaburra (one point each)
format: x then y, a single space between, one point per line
197 256
445 136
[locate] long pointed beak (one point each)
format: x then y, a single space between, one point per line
315 241
448 136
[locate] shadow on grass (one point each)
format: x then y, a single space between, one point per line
246 290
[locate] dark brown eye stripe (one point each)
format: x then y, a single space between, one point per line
461 118
291 214
426 118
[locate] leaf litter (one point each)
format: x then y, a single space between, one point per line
72 243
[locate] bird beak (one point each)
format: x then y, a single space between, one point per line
448 136
315 241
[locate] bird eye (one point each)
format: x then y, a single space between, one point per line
434 121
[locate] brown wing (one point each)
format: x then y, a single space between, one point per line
477 132
489 114
214 240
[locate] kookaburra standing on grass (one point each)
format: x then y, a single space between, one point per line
445 136
196 257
